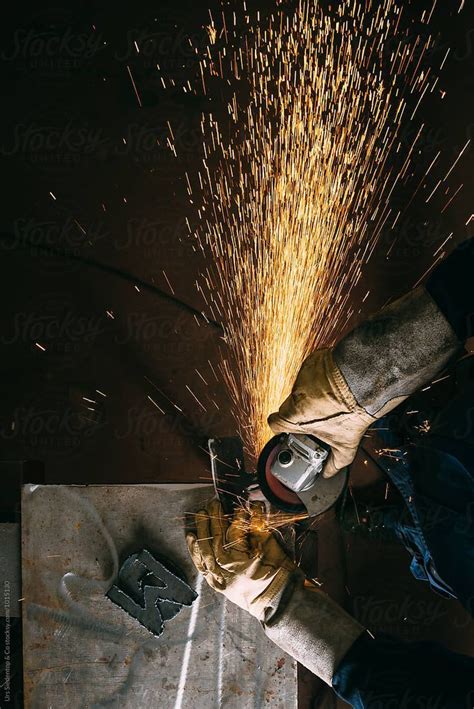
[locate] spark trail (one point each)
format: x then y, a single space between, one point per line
295 194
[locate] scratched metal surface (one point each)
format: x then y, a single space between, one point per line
82 651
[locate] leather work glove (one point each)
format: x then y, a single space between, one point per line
242 559
322 405
340 392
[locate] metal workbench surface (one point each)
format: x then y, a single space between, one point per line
81 650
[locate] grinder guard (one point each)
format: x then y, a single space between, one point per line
233 484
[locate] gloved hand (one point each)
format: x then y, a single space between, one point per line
339 393
242 559
322 404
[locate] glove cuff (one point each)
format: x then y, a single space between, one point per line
338 382
314 630
395 352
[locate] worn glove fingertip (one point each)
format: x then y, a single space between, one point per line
216 583
190 538
330 469
276 423
200 516
214 506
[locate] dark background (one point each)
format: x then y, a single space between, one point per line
72 126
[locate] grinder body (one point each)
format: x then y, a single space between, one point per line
289 474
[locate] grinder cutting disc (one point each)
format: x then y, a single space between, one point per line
275 492
315 500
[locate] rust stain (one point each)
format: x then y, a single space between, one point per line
235 689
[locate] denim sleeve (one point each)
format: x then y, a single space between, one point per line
451 287
390 673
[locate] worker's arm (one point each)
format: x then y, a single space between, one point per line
314 630
386 672
373 672
340 392
451 287
240 558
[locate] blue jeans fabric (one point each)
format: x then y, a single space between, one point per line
435 477
436 480
387 673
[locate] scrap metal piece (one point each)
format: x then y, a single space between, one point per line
149 592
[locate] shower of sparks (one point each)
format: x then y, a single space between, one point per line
252 524
249 521
424 427
393 453
134 87
295 198
155 404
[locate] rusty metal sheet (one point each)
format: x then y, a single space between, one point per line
80 649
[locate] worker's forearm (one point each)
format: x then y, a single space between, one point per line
396 352
388 672
451 287
401 348
362 669
315 631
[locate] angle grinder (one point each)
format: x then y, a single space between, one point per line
289 474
